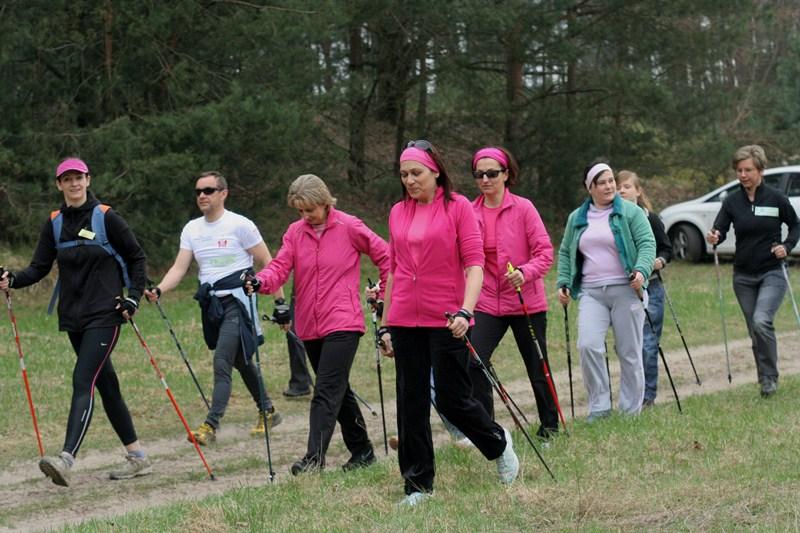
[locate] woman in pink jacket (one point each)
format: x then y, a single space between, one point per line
436 267
324 250
512 232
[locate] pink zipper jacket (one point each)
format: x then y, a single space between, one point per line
421 293
522 240
327 273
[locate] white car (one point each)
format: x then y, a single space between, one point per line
688 222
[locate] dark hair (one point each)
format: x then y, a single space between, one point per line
513 167
588 167
442 180
222 183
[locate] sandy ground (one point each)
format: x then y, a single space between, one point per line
32 502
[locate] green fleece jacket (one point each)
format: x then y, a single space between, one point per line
632 234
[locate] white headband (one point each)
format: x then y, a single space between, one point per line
595 171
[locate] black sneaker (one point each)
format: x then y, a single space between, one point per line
546 433
647 403
768 388
360 460
291 393
306 465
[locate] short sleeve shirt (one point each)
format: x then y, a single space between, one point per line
220 247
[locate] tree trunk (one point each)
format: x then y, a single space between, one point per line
359 106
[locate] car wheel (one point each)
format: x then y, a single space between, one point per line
687 244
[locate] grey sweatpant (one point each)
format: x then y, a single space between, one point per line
619 307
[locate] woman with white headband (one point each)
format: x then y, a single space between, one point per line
605 258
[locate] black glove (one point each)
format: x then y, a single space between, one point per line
154 289
129 305
250 280
383 330
377 305
281 314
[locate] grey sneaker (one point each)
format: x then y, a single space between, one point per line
598 415
769 388
135 467
415 498
508 463
57 469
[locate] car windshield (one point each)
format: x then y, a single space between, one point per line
773 180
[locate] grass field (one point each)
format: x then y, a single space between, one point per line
729 462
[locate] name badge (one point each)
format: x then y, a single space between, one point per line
86 234
766 212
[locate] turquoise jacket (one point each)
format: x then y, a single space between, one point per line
632 234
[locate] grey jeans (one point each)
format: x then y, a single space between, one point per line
619 307
228 355
760 296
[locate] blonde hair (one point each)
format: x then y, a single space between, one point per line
751 151
627 175
309 189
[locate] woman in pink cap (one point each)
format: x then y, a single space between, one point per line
513 234
436 267
97 256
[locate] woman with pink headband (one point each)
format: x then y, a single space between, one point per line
436 266
605 258
513 233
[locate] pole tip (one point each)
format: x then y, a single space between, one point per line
212 477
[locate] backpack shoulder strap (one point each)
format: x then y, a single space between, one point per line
101 238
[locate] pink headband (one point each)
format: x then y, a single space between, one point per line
595 171
412 153
492 153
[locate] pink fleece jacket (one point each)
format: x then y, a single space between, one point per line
421 293
523 240
327 273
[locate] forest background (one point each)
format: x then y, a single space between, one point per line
151 93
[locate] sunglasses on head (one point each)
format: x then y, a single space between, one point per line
422 144
491 174
208 191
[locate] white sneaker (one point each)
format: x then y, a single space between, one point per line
415 498
508 463
464 443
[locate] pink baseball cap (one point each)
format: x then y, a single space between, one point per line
71 163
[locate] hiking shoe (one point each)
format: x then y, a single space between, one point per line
648 403
507 463
205 434
306 465
273 419
134 467
598 415
57 469
769 388
545 433
415 498
291 393
360 460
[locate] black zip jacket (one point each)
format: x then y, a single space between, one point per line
757 225
90 279
663 244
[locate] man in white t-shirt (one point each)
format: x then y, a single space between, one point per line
224 244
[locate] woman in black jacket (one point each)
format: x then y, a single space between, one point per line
97 255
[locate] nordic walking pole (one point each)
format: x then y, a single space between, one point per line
503 396
171 397
24 369
660 351
364 402
678 325
785 269
492 371
569 362
722 313
261 389
608 372
374 305
180 348
535 341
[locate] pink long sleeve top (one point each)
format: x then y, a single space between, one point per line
431 280
327 273
520 238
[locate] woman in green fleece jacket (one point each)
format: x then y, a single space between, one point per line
604 261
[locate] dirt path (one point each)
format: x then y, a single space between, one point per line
31 502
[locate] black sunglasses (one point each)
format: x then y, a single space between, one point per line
422 144
491 174
208 191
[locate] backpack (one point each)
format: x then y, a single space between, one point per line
98 225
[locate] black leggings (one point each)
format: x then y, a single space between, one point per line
487 334
93 369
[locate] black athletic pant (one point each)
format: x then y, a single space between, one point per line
93 369
417 352
331 358
487 334
299 380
